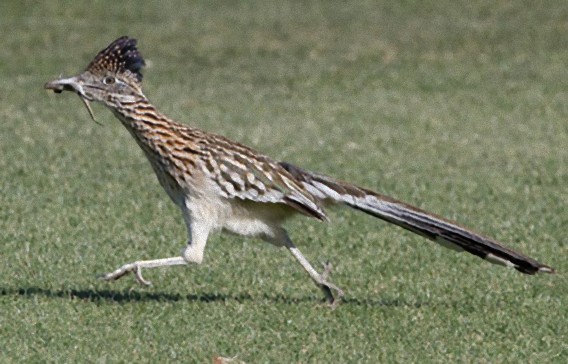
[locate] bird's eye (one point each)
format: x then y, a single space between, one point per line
108 80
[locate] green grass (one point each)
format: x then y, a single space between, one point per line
459 107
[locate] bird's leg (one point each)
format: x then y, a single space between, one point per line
319 279
192 253
136 268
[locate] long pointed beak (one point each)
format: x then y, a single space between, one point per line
71 84
64 84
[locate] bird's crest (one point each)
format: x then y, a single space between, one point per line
120 57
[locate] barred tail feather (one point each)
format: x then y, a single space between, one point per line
442 231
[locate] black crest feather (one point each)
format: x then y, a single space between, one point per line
119 57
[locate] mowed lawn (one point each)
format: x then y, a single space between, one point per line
458 107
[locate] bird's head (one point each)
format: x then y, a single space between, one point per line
113 77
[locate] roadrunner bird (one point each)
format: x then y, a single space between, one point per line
221 185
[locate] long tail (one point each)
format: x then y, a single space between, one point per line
442 231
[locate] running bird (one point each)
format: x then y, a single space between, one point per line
221 185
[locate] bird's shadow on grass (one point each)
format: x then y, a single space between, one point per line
117 296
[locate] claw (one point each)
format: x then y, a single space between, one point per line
327 290
124 270
327 287
139 277
113 276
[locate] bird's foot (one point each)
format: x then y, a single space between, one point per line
328 287
135 268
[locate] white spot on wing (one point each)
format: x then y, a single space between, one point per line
237 178
259 185
253 193
229 188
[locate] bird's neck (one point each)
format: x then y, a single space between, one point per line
150 128
139 115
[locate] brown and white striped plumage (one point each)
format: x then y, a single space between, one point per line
221 185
